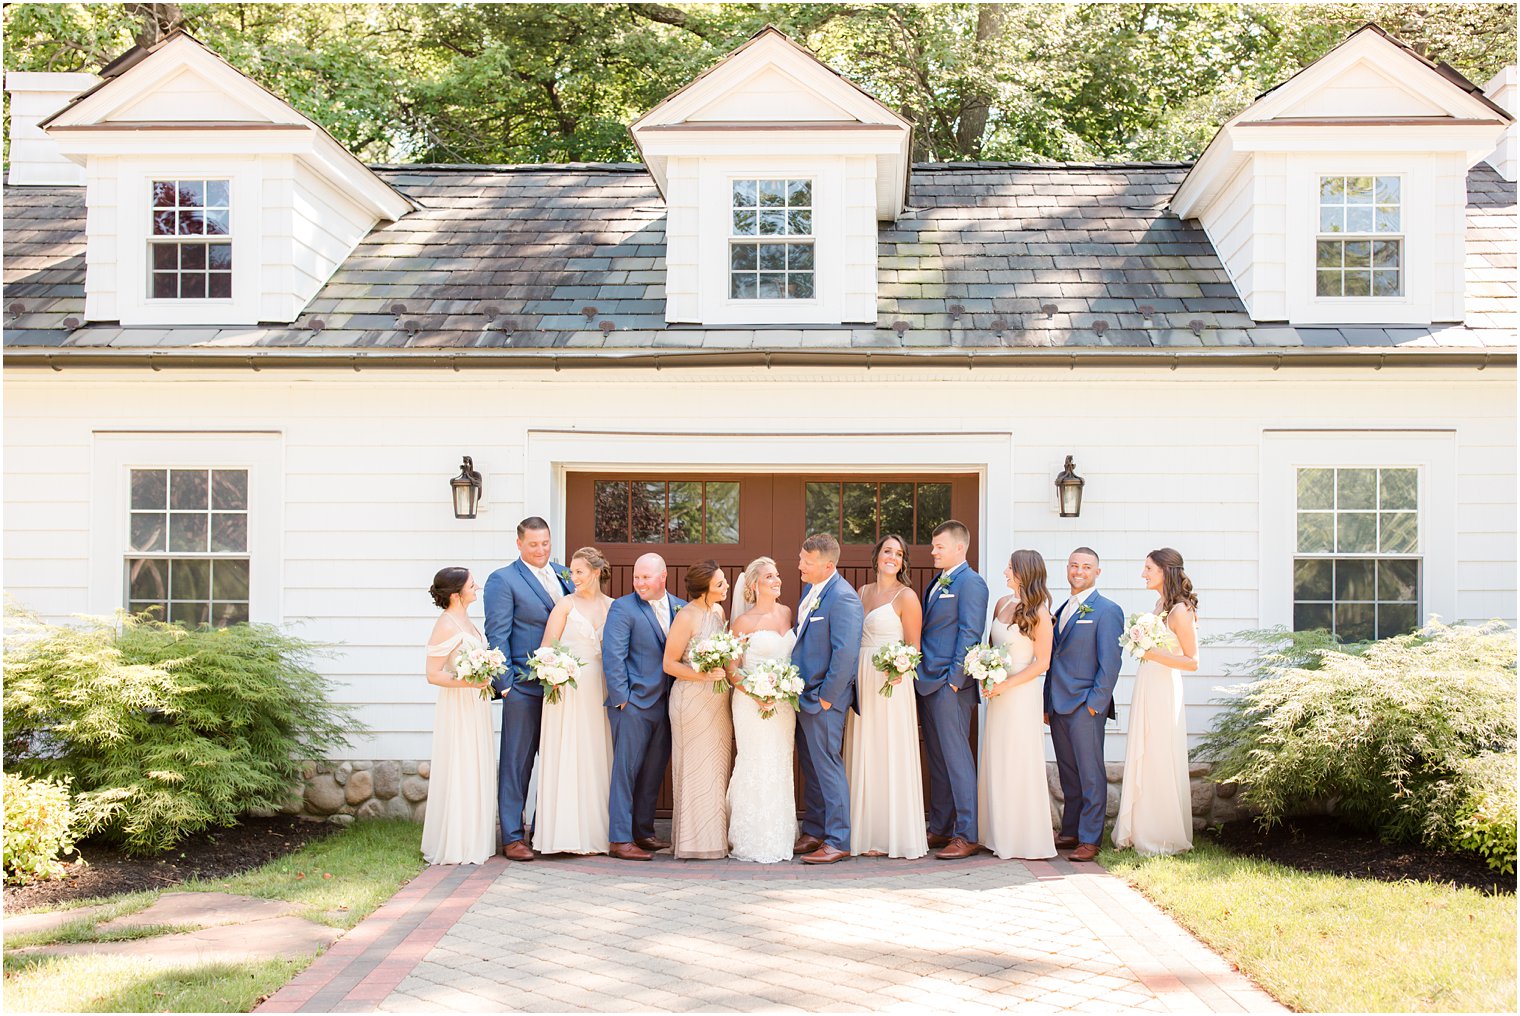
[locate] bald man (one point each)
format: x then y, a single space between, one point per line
638 707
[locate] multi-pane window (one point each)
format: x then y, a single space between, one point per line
188 544
1359 248
190 249
1357 567
667 511
862 513
770 250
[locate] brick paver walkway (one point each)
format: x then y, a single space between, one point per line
592 934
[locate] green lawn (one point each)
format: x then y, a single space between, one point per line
1327 943
342 878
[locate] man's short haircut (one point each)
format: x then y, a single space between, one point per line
531 522
954 529
1089 552
825 545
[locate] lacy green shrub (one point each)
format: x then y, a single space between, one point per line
165 731
1486 819
1385 730
39 828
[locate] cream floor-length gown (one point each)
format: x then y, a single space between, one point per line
1155 800
1013 796
459 826
575 754
701 760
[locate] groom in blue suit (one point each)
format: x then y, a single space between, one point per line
1079 701
638 707
955 614
518 599
829 624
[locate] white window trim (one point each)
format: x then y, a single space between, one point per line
1401 236
152 240
1432 453
810 238
117 453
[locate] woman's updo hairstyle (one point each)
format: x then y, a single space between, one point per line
752 577
699 578
1176 587
446 583
596 562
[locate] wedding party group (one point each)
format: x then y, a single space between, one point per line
605 694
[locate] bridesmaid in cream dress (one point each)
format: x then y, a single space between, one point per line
701 725
1155 801
459 826
1013 802
575 740
881 742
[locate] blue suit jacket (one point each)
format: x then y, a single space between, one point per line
633 652
828 648
517 609
1084 664
953 622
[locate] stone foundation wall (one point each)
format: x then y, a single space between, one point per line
343 791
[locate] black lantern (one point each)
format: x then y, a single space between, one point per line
1069 491
466 490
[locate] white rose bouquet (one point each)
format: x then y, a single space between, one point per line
478 665
896 660
555 669
771 682
1144 632
716 652
987 665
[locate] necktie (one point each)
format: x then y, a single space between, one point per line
551 584
661 608
1068 611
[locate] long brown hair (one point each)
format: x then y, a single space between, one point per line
1176 587
1029 571
902 573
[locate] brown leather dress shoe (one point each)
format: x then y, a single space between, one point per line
806 844
957 848
627 852
1084 852
825 855
653 844
937 842
1066 842
517 850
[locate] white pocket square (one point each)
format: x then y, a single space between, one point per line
816 617
1086 622
947 596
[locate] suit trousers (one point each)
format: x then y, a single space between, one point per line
1078 742
946 717
826 790
640 753
521 716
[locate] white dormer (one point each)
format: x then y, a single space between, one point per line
775 171
209 200
1340 196
1502 89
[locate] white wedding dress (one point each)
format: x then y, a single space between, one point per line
762 808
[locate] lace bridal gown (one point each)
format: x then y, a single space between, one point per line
762 822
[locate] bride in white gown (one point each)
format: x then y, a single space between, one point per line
762 823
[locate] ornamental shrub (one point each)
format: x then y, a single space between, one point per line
39 828
1386 731
165 731
1486 817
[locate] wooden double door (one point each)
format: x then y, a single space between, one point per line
733 518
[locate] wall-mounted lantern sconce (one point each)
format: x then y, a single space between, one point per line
1069 491
466 490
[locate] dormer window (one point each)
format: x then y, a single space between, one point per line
190 248
1360 246
770 250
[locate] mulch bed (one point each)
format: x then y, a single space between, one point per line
1321 843
215 854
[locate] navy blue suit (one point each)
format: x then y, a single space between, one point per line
517 609
1084 666
633 662
954 618
826 656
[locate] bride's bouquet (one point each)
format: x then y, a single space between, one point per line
478 665
716 652
555 669
1144 632
896 660
987 665
770 682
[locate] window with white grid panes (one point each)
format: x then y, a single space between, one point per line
770 248
1360 244
1357 568
188 545
190 241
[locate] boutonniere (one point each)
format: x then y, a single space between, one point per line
1083 610
563 573
943 583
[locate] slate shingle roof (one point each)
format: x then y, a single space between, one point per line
550 257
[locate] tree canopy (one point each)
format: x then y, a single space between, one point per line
505 83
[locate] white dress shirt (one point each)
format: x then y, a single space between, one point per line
550 582
661 608
805 611
1069 608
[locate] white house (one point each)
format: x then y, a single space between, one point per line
242 367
